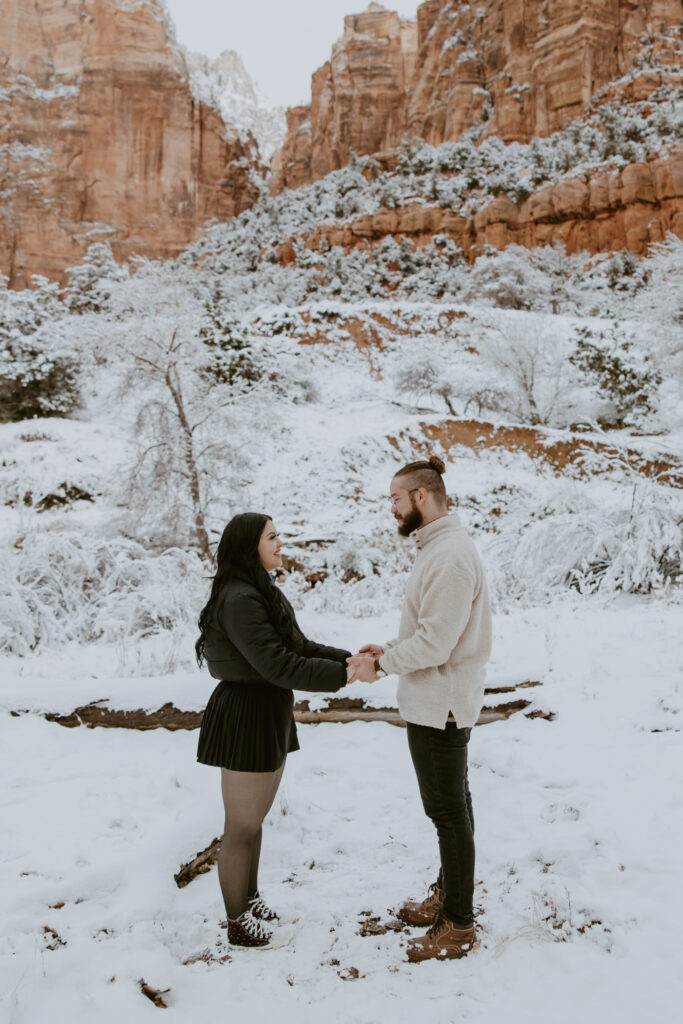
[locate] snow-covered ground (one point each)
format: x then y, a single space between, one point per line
579 830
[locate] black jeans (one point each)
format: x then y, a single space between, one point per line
440 760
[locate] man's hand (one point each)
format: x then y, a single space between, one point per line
363 668
374 649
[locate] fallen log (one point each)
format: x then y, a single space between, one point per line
337 709
166 717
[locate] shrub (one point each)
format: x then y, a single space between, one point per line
229 354
596 539
59 587
426 377
617 369
508 279
525 372
38 366
90 282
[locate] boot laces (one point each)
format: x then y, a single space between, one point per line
257 905
253 926
436 925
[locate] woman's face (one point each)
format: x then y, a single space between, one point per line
269 548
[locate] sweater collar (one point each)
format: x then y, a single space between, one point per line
437 527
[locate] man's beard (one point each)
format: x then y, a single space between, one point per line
411 522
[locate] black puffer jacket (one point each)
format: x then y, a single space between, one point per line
243 645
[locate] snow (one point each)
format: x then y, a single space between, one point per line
225 84
578 829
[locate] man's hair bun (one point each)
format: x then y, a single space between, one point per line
427 473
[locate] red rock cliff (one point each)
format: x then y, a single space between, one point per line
101 140
358 99
529 65
524 67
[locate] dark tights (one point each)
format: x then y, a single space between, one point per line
247 798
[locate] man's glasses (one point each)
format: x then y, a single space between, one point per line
393 500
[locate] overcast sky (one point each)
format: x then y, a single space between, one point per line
281 42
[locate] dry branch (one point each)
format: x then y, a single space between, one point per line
200 863
155 994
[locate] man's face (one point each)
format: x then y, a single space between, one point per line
404 507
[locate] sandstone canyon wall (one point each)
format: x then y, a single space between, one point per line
101 139
358 98
520 67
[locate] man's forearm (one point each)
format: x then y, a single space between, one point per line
414 653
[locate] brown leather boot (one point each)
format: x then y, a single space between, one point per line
443 941
421 914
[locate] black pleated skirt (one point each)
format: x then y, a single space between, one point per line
248 727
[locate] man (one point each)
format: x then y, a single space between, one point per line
440 655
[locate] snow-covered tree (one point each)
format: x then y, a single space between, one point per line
89 283
620 372
39 371
529 374
191 367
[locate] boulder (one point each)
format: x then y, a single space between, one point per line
636 185
570 198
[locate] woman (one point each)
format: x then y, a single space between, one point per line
251 641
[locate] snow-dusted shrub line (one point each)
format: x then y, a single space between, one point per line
59 587
545 278
595 537
623 536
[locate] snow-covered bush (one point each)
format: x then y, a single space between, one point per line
39 373
658 305
89 283
507 279
529 374
289 379
228 355
626 539
619 372
57 587
426 376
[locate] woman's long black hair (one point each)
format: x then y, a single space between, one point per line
237 557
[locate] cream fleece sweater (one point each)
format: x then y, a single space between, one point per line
444 639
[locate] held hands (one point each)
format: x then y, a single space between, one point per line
361 667
350 673
374 649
